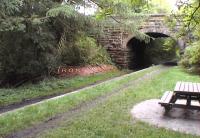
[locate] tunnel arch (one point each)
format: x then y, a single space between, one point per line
138 59
155 35
146 31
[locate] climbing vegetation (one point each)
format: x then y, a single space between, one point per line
190 14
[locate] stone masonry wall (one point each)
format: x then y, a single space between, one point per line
115 39
112 41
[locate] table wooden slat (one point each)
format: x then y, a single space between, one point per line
182 86
191 87
187 91
186 87
164 96
169 97
198 86
195 88
177 87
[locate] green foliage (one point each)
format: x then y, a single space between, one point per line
160 7
28 41
75 47
83 52
65 10
16 13
9 7
125 14
25 55
31 37
191 58
190 14
122 7
12 24
161 50
170 45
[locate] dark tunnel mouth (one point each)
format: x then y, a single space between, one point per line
137 59
156 35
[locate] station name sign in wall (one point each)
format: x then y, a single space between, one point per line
83 70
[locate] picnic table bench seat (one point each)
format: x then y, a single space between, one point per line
185 94
166 98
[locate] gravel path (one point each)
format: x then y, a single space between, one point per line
79 110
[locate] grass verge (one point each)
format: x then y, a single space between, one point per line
50 87
34 114
113 119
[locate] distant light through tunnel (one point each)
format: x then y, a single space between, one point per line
143 55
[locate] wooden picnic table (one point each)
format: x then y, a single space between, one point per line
185 95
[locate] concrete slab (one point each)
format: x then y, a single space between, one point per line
181 120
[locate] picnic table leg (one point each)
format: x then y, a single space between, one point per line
174 98
188 100
199 99
167 108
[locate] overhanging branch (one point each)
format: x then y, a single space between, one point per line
192 16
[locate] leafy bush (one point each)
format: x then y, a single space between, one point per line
191 57
83 51
28 54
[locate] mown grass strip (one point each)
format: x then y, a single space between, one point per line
34 114
113 119
52 86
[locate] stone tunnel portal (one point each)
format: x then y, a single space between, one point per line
141 54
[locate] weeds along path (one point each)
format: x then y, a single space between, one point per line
70 115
